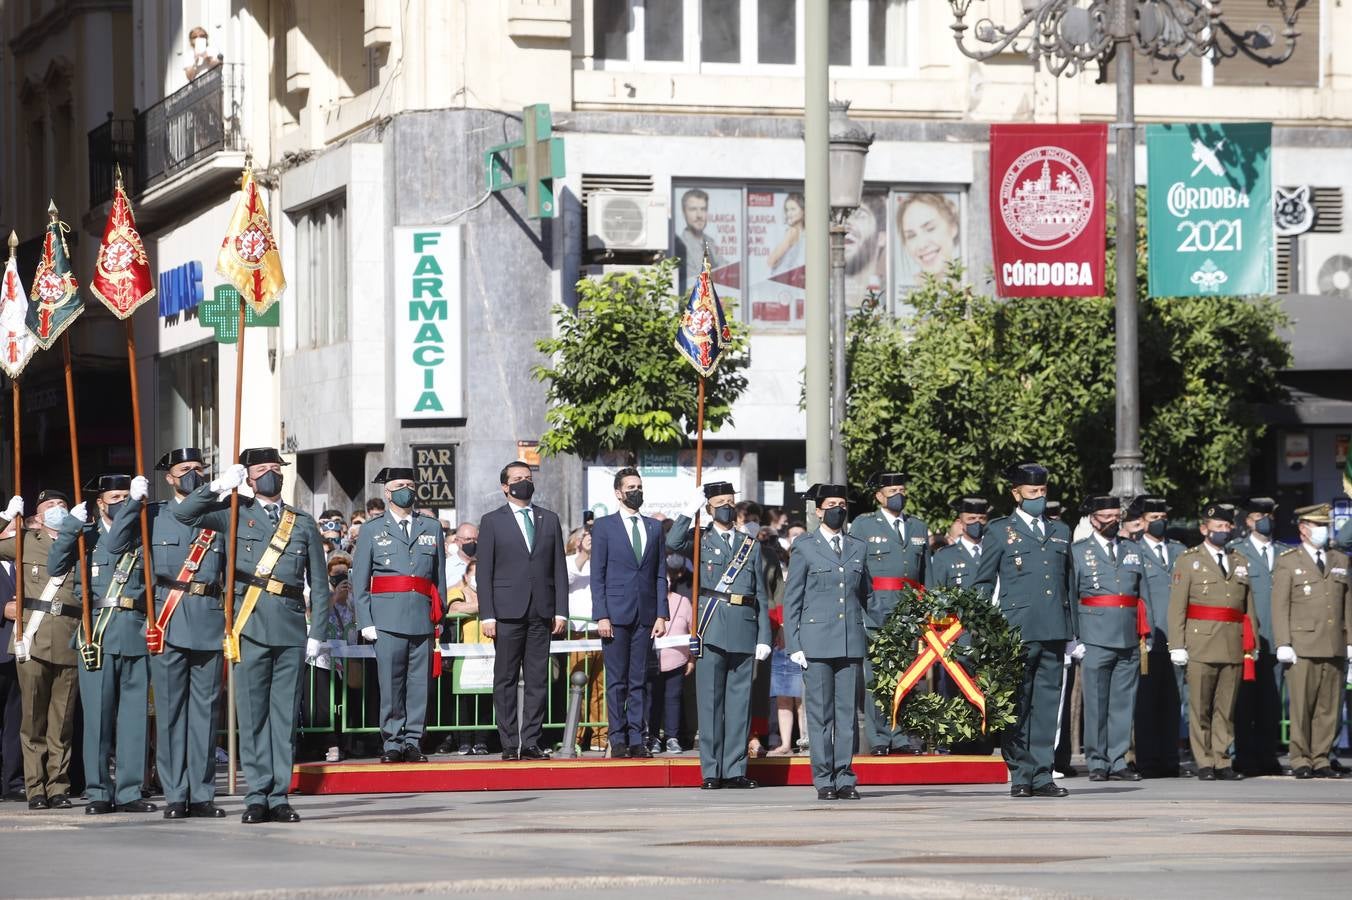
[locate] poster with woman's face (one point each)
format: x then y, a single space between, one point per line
866 251
926 229
775 252
709 220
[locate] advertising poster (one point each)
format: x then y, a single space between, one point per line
926 236
709 219
668 479
775 254
866 251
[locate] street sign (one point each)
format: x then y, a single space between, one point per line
531 163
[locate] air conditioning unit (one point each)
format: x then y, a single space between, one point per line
620 220
1326 265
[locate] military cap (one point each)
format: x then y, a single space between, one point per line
394 473
1225 512
1099 502
718 489
1151 504
1319 514
181 455
1026 473
889 479
1134 509
1053 509
970 505
108 481
257 456
53 494
821 492
1261 505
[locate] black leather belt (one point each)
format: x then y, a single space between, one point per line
271 585
197 588
132 603
54 608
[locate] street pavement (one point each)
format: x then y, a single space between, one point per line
1176 838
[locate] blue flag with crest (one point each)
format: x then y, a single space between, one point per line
703 333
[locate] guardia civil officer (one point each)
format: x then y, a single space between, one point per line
898 553
398 580
1113 620
824 601
732 629
1029 557
278 551
114 667
1159 696
955 564
1258 708
1209 604
1312 622
186 675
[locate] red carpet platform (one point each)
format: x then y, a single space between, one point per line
364 777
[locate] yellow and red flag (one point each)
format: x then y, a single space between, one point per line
249 259
122 278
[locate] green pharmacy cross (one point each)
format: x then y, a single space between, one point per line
220 313
531 163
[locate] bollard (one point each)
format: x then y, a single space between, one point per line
578 683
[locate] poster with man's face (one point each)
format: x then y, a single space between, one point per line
709 221
866 251
926 237
775 253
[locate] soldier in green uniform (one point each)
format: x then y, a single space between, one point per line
46 657
1158 698
824 602
186 675
1312 623
398 580
955 564
1258 709
898 552
1025 565
732 631
1208 605
1107 582
114 667
278 551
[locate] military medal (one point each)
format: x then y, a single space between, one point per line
1307 590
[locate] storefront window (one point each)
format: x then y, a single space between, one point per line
186 399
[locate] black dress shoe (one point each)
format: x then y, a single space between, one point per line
1050 789
511 754
1020 790
17 795
741 782
848 793
59 801
827 794
283 813
619 751
1098 775
533 752
1336 765
1326 772
1068 772
96 808
711 784
638 751
206 810
1127 774
878 751
1206 773
176 811
1228 774
1303 772
39 802
254 813
392 756
136 806
413 754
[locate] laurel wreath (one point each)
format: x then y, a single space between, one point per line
991 650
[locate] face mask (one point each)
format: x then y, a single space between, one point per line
752 528
1219 538
634 499
835 517
190 481
337 578
1157 528
724 515
199 45
896 503
53 517
975 530
402 498
114 508
521 490
1319 536
269 484
1034 507
469 548
1263 526
675 562
1109 531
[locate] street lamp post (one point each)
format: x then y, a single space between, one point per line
1067 35
849 145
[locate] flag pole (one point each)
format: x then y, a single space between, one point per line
86 616
232 731
18 489
699 480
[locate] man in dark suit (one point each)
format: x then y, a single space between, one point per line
629 603
523 598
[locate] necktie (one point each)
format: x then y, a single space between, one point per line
1041 532
1267 560
404 525
835 544
1112 550
901 531
1159 549
273 513
530 528
1319 560
636 538
976 551
1220 561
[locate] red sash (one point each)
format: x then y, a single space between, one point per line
1122 601
398 584
896 584
200 545
1234 617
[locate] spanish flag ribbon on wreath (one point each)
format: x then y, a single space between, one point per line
703 333
249 259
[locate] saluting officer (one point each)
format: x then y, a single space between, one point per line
1029 557
1312 622
46 656
277 552
955 564
398 580
186 674
1210 632
115 665
733 629
1258 709
1159 701
1113 619
898 552
824 602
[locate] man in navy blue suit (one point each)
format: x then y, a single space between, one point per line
629 601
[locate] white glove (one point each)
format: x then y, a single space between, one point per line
1149 645
1178 657
762 652
1349 651
1286 654
81 513
230 479
312 648
694 504
140 488
369 633
799 657
1075 649
21 650
15 508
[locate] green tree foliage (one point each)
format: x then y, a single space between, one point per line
972 384
615 379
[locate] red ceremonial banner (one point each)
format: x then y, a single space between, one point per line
1048 212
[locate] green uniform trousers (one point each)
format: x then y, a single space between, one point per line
187 699
1212 688
266 696
46 726
115 698
1029 744
723 691
830 689
878 721
1110 677
1314 689
403 668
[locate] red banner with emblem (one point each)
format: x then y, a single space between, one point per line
1048 196
122 278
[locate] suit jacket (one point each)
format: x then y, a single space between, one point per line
105 543
825 598
1198 580
1034 575
1156 580
382 549
1096 574
516 581
891 557
199 621
1312 613
736 629
625 590
52 643
1260 583
6 625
